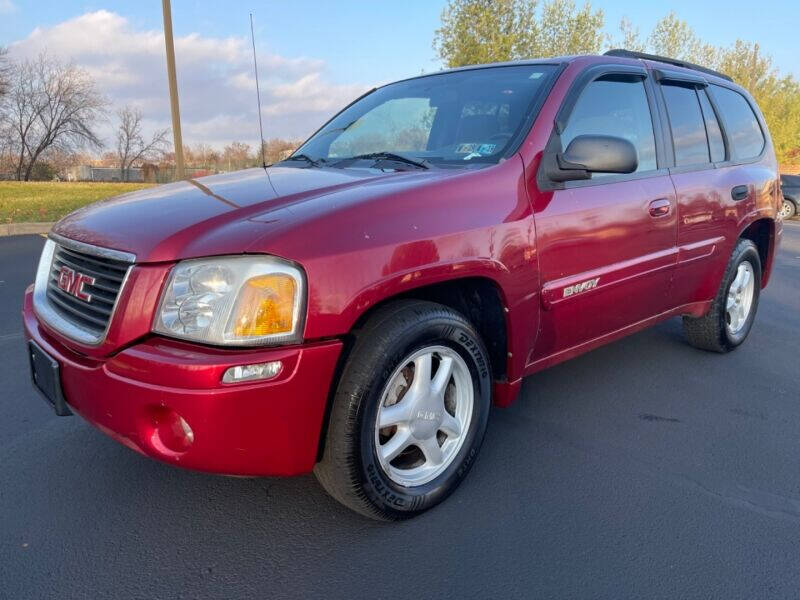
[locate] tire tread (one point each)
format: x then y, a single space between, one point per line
707 332
338 471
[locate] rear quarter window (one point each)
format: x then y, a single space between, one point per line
744 133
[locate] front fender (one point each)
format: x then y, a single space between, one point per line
407 280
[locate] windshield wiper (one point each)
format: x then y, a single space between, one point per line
312 162
388 156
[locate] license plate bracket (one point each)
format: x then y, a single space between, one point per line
46 378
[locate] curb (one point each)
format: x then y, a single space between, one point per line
24 228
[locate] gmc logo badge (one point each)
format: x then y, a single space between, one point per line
72 282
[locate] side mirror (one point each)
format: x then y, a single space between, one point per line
587 154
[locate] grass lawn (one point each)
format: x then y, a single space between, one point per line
40 201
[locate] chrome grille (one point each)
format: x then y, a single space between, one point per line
92 309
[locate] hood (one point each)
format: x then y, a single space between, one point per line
221 214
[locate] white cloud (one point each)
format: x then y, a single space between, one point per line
7 6
215 78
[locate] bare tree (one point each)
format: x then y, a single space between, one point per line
50 105
237 155
131 144
5 125
5 71
276 149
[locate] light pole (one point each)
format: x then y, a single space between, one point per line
173 91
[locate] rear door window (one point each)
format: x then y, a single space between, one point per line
744 133
686 122
615 106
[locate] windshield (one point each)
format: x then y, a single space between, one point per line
462 117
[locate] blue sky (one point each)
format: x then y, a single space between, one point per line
334 49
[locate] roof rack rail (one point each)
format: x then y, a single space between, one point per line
672 61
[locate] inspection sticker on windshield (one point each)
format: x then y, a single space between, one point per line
475 150
466 148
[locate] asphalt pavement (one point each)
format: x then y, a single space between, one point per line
644 469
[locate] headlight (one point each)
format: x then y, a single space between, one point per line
236 301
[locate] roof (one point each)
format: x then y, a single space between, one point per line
622 55
664 59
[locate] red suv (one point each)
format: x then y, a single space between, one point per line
356 308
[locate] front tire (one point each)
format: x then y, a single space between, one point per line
733 310
409 413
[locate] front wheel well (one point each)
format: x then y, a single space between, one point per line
478 299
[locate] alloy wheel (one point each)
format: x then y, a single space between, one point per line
740 298
787 209
424 415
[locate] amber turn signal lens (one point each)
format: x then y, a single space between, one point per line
266 306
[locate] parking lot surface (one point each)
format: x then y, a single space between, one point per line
644 469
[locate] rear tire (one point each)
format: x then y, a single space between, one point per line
400 440
733 310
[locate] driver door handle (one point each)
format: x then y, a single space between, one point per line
660 207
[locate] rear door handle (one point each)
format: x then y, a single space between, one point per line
740 192
660 207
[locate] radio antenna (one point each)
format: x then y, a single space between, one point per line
258 94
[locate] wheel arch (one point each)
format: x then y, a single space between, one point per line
762 233
479 298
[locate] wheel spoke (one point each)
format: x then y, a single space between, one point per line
396 444
443 374
745 277
395 414
422 374
450 425
737 282
742 316
430 448
731 302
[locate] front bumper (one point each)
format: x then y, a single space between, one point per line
143 395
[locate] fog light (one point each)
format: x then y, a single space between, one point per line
259 371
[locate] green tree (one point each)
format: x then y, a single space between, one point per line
565 29
481 31
631 38
674 37
777 96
